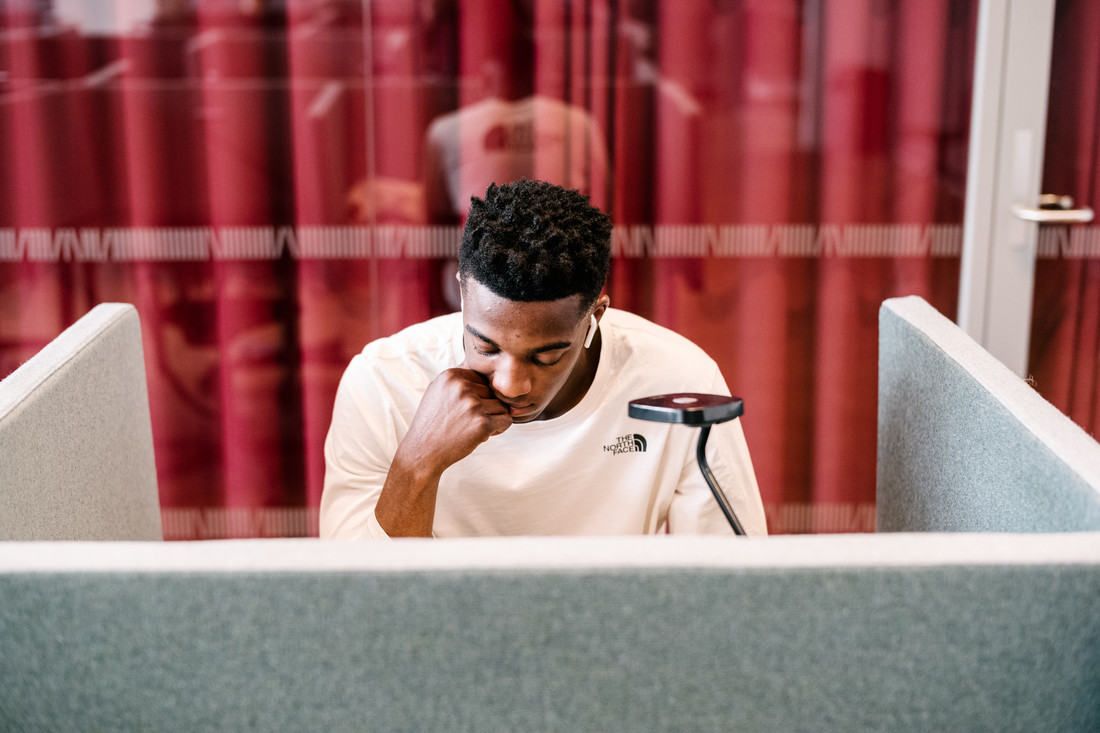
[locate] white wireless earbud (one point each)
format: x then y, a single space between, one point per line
591 330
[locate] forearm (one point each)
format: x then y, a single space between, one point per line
457 413
406 506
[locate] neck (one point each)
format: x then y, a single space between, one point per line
584 372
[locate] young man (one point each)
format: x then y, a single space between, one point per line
510 417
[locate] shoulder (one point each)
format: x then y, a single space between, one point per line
648 358
412 356
438 332
650 339
657 355
452 122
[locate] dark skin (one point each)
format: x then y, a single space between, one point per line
523 362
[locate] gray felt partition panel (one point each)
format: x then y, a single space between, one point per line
966 445
886 632
76 441
875 632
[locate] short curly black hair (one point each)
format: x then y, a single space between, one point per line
533 241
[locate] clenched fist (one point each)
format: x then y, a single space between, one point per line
457 413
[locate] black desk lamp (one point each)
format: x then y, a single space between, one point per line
702 410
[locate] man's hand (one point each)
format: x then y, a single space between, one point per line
457 413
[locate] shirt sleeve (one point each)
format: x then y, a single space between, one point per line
358 450
693 509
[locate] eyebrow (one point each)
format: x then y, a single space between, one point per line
537 350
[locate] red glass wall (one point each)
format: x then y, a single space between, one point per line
275 184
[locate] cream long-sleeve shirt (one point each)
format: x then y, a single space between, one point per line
591 471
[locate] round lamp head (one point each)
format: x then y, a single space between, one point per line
688 408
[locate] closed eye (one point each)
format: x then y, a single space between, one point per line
540 359
543 356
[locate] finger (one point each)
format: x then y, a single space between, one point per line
493 407
469 374
499 423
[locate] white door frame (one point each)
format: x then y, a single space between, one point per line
1007 135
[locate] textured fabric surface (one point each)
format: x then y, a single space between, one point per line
76 442
966 445
502 645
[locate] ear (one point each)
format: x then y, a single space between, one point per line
602 304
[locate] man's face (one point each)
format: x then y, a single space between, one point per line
531 354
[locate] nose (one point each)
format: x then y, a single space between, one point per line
511 379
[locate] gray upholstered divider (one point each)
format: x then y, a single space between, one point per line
913 632
966 445
843 633
76 442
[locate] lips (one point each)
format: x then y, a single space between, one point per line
519 410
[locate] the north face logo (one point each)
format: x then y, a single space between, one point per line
633 443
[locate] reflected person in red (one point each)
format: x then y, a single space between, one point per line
508 128
509 417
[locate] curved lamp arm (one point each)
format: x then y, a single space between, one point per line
700 410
